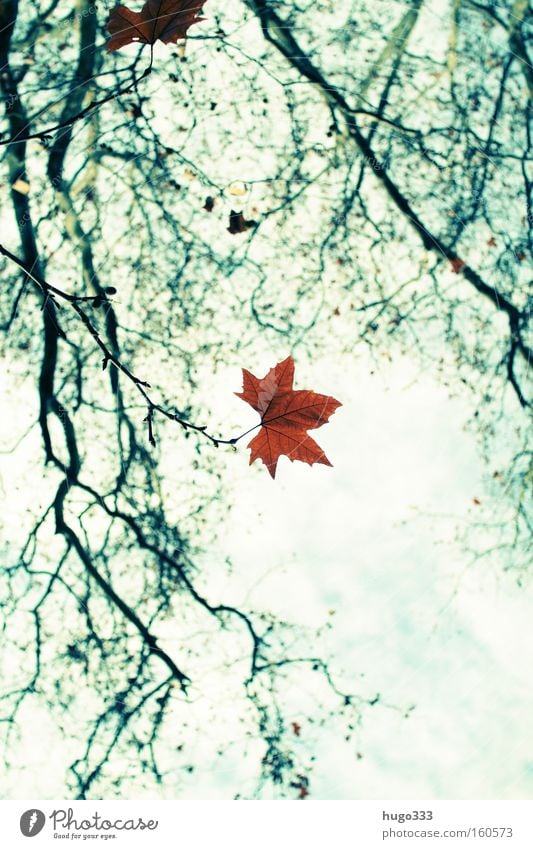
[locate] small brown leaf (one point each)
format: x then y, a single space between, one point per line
457 265
238 224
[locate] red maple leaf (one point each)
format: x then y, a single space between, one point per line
286 415
166 20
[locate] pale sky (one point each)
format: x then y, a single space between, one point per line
368 545
424 624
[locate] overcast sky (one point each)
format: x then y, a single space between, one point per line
368 545
424 624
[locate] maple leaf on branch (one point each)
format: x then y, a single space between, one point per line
163 20
286 416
